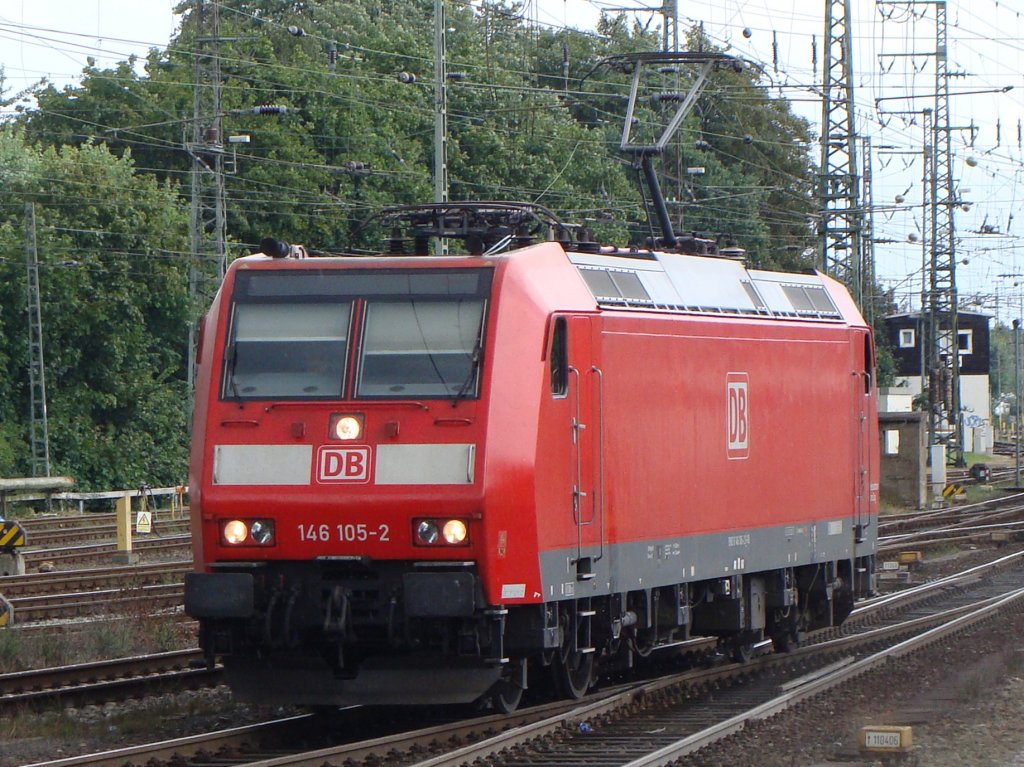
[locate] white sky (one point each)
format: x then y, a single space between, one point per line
53 38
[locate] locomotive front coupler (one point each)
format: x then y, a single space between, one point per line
285 637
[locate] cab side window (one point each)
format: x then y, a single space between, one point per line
869 364
559 358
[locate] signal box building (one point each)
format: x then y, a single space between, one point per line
905 337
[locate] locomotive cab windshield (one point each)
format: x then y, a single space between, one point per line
418 334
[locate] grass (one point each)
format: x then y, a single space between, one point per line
99 640
972 458
980 493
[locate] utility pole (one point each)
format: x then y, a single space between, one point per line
440 113
670 35
1016 401
943 254
208 223
940 300
440 103
670 44
929 332
39 430
867 237
838 191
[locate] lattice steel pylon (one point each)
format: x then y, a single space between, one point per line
941 352
208 221
867 235
440 104
944 346
441 180
839 184
39 430
670 33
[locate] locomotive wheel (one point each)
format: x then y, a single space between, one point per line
742 652
787 639
741 646
574 674
507 692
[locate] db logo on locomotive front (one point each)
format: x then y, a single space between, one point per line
738 428
343 464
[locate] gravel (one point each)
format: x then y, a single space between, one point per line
963 697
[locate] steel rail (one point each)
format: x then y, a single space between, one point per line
699 740
549 721
76 604
90 552
62 581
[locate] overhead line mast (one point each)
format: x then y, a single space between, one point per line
440 111
939 301
208 220
39 430
838 190
942 288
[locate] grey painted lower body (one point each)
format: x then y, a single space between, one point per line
652 563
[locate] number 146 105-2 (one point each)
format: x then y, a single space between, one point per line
347 532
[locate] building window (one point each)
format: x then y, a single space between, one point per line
965 341
891 442
907 340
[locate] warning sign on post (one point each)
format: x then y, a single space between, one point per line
144 522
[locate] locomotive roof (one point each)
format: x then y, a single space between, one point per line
674 283
699 284
694 277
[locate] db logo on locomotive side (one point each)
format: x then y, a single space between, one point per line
738 429
343 464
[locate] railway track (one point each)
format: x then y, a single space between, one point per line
47 522
104 681
652 723
64 541
168 546
41 523
125 600
64 536
996 520
118 576
94 593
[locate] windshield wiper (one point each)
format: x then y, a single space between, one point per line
229 364
470 376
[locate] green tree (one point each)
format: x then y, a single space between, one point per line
531 117
114 304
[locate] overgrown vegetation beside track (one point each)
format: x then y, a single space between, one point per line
95 640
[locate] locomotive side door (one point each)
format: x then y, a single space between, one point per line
863 387
585 388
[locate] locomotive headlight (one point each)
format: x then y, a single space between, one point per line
345 426
247 532
235 532
435 532
454 531
427 532
262 532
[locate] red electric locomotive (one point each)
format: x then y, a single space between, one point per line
416 478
